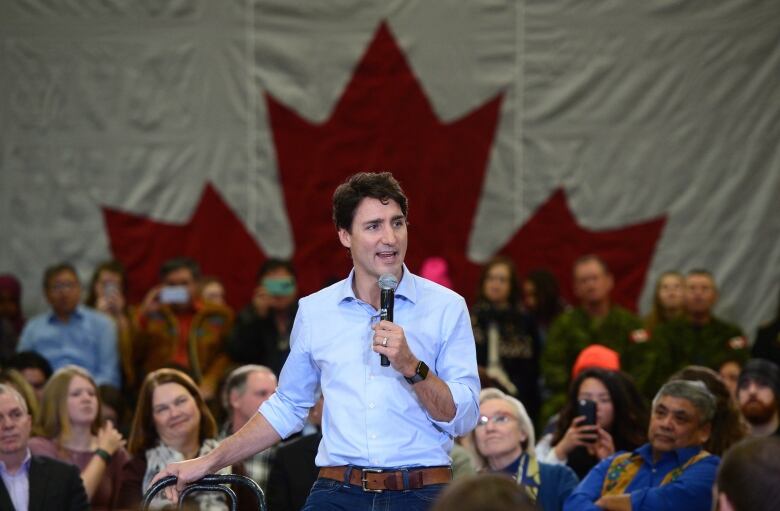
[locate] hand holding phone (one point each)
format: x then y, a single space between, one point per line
587 409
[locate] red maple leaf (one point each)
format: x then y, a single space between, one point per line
383 121
214 236
552 239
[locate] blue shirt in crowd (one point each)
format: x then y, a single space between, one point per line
372 416
87 340
18 485
691 491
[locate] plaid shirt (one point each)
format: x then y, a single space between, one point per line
256 467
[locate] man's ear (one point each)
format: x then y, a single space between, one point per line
345 238
704 432
233 398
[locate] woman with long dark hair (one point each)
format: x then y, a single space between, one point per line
507 341
107 293
542 299
621 422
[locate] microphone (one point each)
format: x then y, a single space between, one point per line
387 283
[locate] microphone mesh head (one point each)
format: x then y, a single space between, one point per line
388 281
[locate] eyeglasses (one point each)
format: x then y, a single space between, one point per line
496 419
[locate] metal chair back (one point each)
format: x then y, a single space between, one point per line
211 482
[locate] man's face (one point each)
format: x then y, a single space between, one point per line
63 292
592 283
37 380
378 238
259 387
181 277
700 294
277 300
15 426
757 401
675 423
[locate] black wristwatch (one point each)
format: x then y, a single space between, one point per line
419 375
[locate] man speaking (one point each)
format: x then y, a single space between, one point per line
386 430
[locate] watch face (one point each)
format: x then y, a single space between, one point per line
420 374
422 370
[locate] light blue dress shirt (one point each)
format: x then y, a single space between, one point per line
87 340
372 417
18 485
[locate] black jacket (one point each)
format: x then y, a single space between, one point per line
293 473
53 485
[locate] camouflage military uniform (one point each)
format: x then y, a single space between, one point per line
679 343
574 330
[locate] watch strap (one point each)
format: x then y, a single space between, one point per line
419 375
103 454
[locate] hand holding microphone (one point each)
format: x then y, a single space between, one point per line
389 338
387 283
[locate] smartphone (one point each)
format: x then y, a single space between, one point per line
174 295
587 408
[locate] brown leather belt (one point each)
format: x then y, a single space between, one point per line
379 480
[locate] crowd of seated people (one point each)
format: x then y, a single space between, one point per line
593 406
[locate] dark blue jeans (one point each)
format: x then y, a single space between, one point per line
330 495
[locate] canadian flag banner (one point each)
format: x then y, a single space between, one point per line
644 132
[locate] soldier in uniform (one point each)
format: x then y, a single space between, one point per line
700 338
596 321
767 343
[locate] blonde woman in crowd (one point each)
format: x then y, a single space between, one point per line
70 424
668 299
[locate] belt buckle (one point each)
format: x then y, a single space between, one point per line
363 480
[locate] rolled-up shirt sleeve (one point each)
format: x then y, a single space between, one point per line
456 365
286 410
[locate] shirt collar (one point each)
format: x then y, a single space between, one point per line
680 456
77 314
25 464
407 288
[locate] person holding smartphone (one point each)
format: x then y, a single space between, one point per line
176 329
106 293
587 430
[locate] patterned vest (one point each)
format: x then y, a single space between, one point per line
624 468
